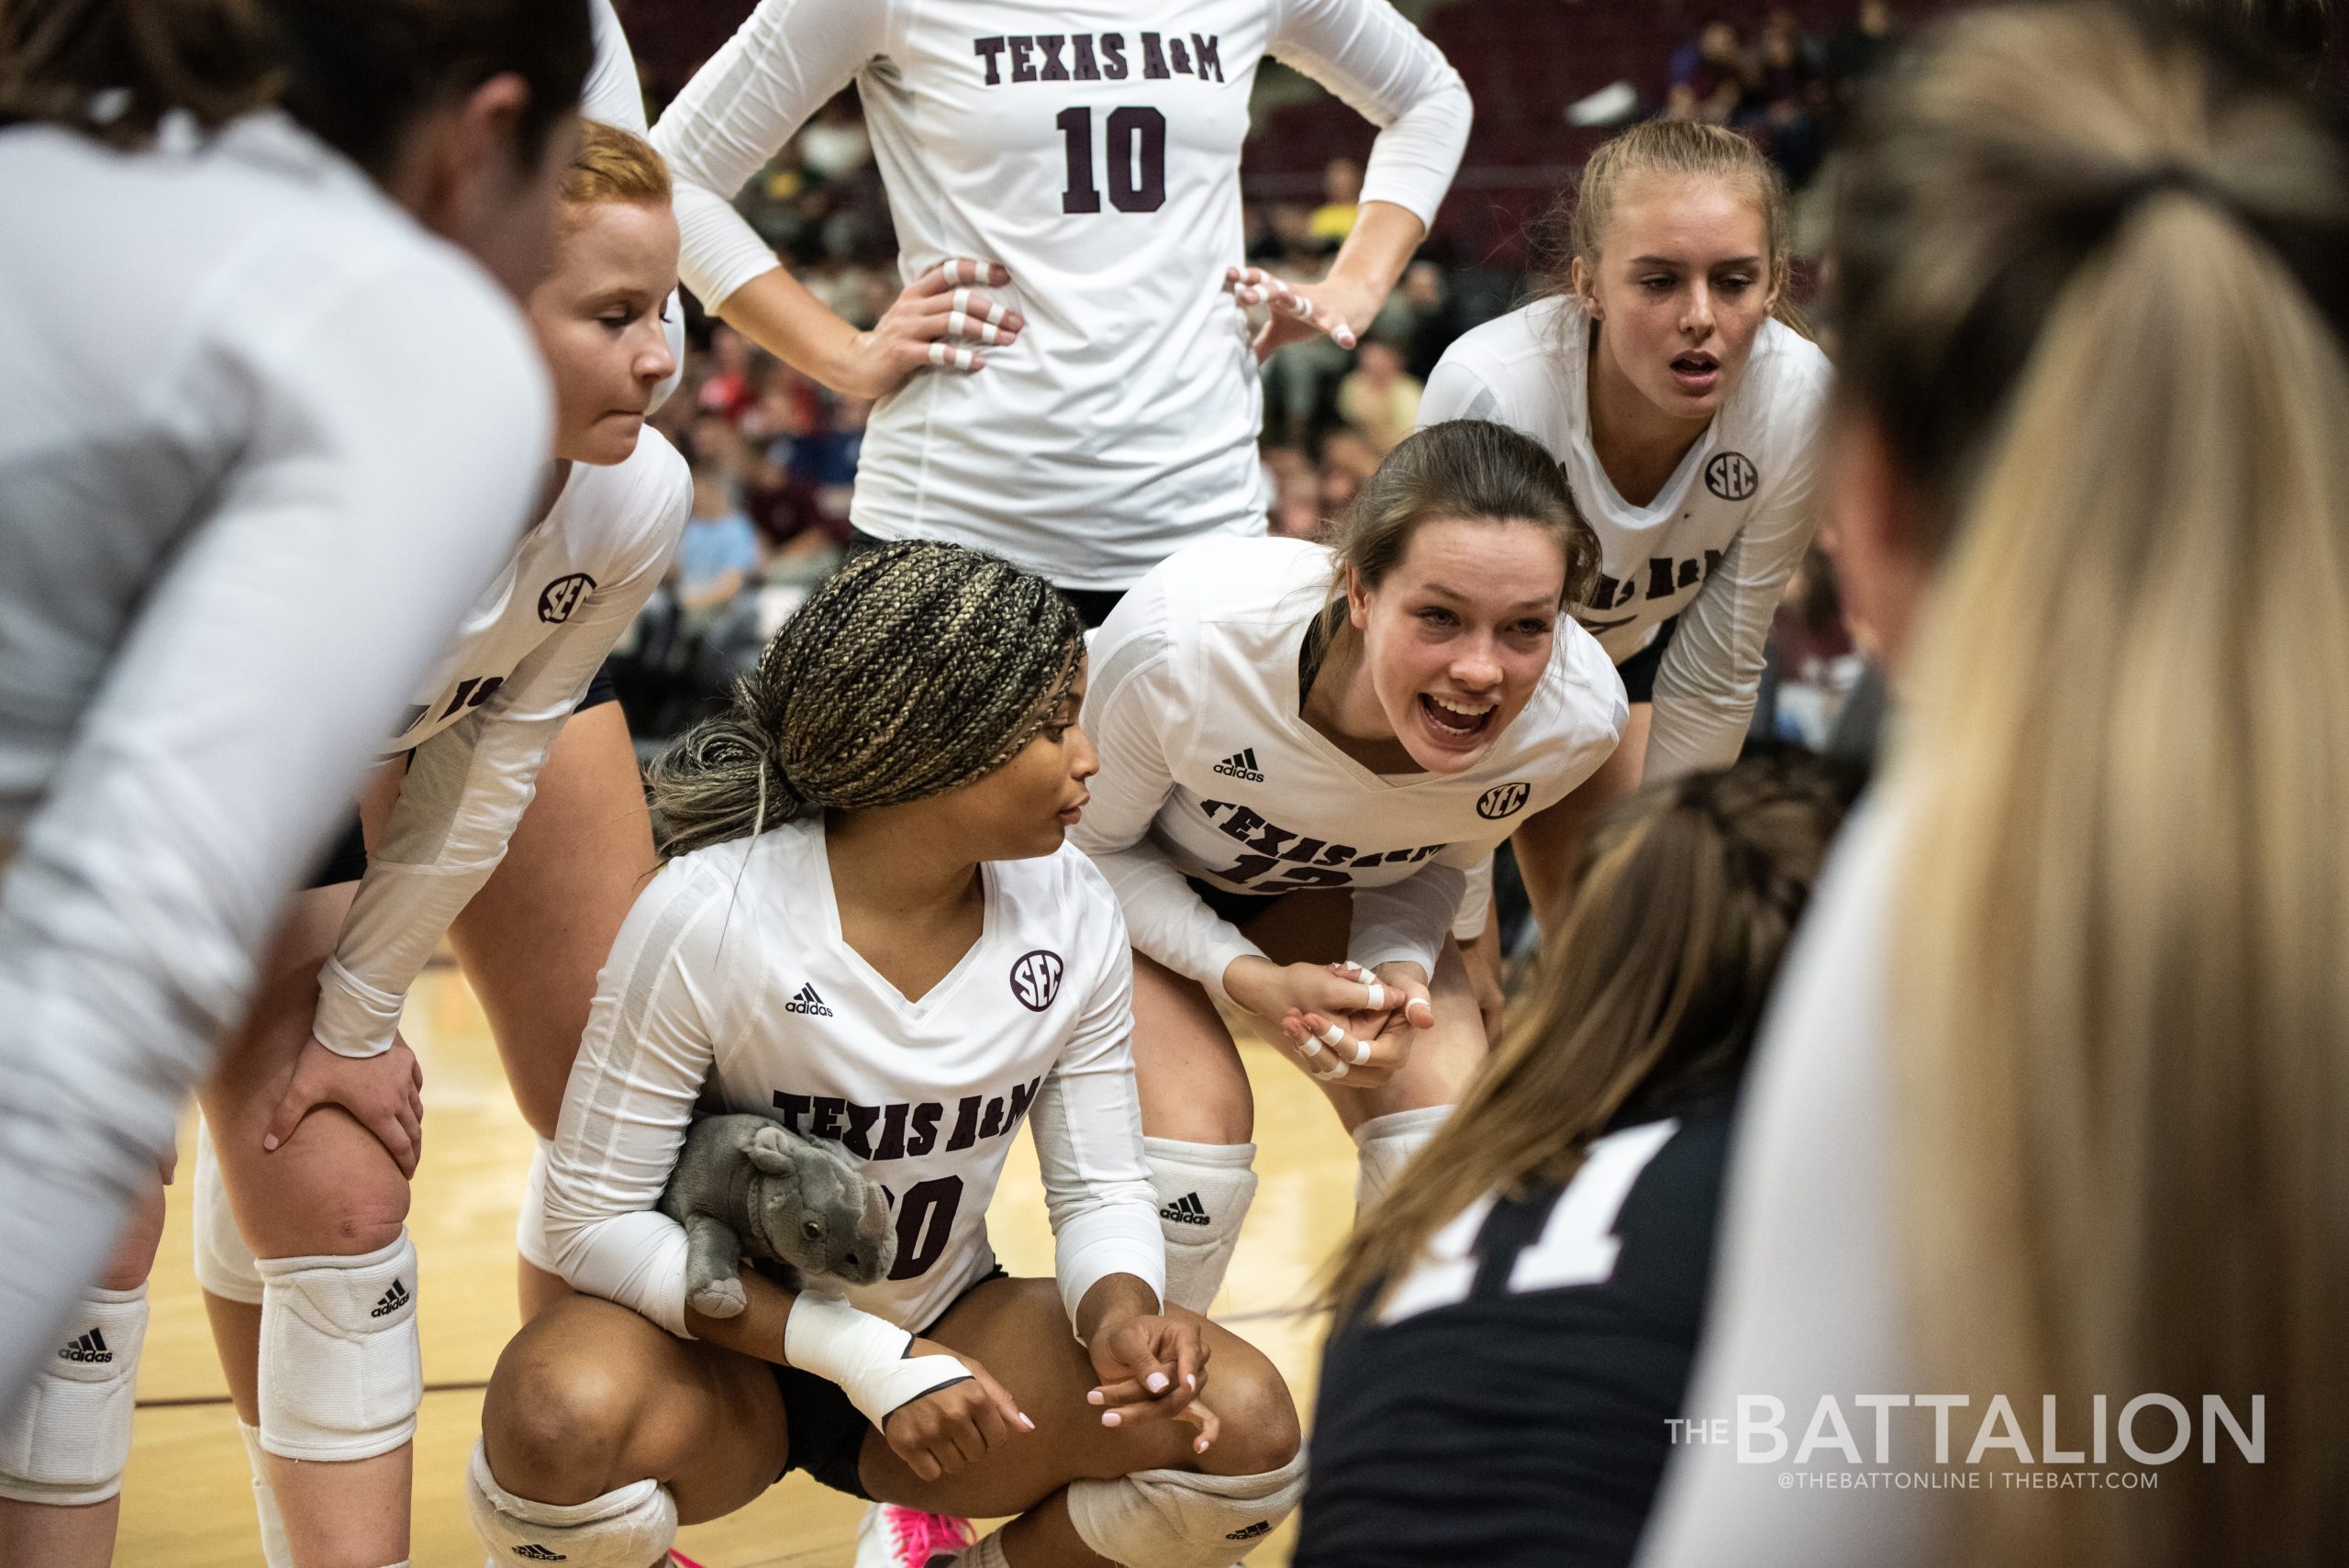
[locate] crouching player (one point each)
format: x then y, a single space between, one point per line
871 931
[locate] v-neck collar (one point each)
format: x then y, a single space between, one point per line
989 919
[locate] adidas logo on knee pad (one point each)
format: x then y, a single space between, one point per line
1261 1527
1186 1210
393 1300
539 1554
90 1347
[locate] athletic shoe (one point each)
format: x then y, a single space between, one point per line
891 1537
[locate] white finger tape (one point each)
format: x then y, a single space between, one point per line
961 302
1309 1048
1377 996
1337 1070
957 323
1333 1034
1362 1053
937 354
996 311
988 335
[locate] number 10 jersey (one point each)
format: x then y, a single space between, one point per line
1093 150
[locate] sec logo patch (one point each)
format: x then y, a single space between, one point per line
1732 476
560 597
1036 979
1503 800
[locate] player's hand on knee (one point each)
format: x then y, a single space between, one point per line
1397 987
945 319
1151 1367
1272 991
950 1427
383 1092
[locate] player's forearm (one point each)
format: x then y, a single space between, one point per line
1384 240
1113 1299
775 311
757 1330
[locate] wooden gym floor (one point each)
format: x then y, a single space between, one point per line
187 1502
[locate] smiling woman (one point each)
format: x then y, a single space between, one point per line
1304 751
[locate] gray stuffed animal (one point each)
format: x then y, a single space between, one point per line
746 1186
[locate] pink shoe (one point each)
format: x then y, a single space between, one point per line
891 1537
681 1560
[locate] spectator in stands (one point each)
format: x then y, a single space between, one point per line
1792 92
1853 53
1711 76
1379 401
1341 197
1296 495
1428 316
1347 459
719 558
729 391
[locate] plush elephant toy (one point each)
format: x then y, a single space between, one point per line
745 1185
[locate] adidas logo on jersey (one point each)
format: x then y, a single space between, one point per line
1261 1527
392 1301
531 1553
90 1347
1186 1210
807 1002
1240 765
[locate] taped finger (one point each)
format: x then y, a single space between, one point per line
948 358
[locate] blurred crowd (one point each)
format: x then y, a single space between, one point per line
775 454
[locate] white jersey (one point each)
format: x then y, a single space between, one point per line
1808 1299
1099 162
1209 769
484 719
732 989
262 440
1714 546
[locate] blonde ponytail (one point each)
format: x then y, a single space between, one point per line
2082 273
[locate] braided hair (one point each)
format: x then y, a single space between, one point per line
916 669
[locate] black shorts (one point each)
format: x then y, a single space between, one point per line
1639 670
1092 605
827 1433
1237 907
347 862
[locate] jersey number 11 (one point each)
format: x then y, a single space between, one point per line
1136 159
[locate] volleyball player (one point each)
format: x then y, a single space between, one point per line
873 931
302 1252
2047 1110
1304 748
1686 417
227 565
1063 379
1514 1324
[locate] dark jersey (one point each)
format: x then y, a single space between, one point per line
1509 1406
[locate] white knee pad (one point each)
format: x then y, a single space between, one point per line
274 1552
530 1224
626 1528
341 1375
1204 1191
1176 1519
1386 1144
224 1264
70 1436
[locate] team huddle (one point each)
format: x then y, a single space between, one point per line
327 491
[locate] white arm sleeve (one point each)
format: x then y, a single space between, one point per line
1087 1126
371 501
745 102
612 95
1455 392
1132 698
460 800
1390 74
1406 921
1806 1300
1711 671
649 1048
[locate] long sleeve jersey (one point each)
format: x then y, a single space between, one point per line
483 721
262 440
1096 155
1715 546
1209 770
731 988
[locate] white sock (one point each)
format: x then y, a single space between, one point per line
273 1550
1386 1144
1204 1191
